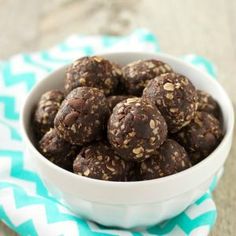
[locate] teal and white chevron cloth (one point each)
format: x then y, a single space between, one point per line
26 206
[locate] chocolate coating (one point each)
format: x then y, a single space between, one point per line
202 135
57 150
137 74
136 128
82 116
92 72
99 161
175 97
196 157
113 100
133 173
208 104
46 111
171 158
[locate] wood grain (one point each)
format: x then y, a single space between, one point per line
204 27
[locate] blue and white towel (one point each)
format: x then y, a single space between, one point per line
26 206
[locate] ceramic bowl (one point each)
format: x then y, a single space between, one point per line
131 204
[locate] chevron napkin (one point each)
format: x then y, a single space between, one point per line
26 206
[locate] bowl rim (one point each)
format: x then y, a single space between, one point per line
128 184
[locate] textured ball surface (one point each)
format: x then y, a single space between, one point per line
82 116
175 97
92 72
171 158
136 129
99 161
46 111
137 74
206 103
57 150
201 136
113 100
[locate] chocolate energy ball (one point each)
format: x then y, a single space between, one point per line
175 97
207 103
196 157
92 72
113 100
202 135
137 74
82 116
136 129
133 171
99 161
171 158
46 111
57 150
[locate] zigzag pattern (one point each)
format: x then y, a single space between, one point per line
9 107
32 210
42 197
51 216
47 57
18 171
185 223
26 228
30 60
13 132
28 78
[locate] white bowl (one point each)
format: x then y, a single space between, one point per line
131 204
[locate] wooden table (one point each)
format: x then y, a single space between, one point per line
204 27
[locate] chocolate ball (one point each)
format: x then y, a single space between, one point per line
113 100
136 129
175 97
196 157
82 116
133 174
202 135
137 74
99 161
207 104
92 72
57 150
133 171
171 158
46 111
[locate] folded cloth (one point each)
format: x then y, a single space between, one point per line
26 206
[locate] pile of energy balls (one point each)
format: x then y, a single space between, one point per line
139 122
